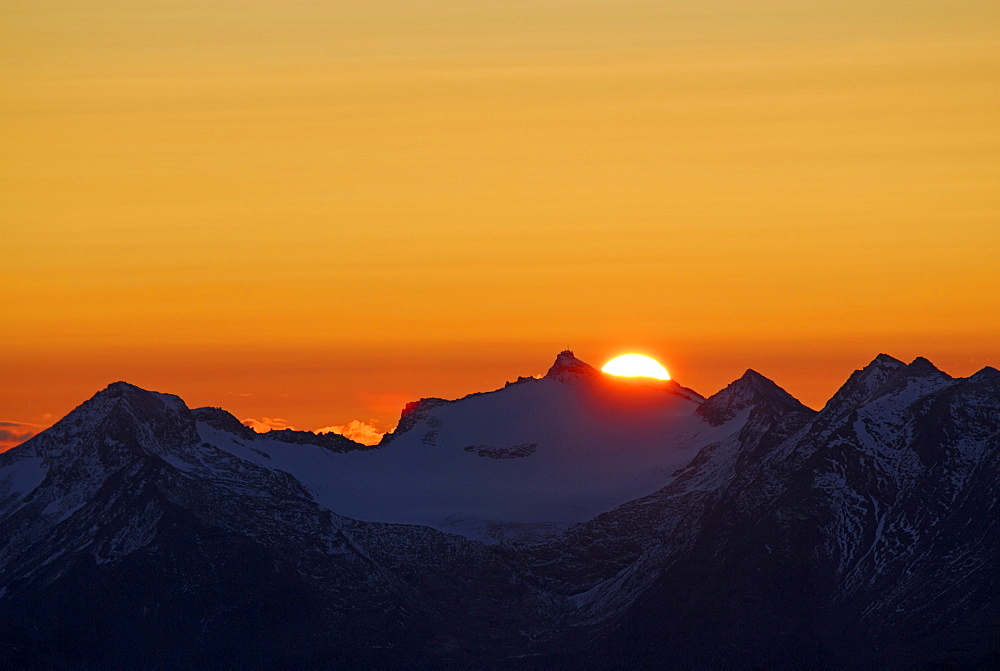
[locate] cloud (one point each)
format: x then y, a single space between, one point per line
365 433
265 424
7 435
15 433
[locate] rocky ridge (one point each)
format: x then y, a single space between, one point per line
863 535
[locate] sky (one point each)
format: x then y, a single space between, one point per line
311 213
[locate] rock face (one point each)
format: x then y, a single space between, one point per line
139 533
567 368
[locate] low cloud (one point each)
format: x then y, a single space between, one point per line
13 434
265 424
7 435
365 433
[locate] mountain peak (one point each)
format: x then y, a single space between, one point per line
922 366
119 389
567 367
142 401
753 377
986 373
868 383
919 374
751 389
987 379
122 420
883 360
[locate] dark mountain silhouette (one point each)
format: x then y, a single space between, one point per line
139 533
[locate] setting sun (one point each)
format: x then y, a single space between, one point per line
636 365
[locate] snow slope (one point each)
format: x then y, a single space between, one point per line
521 461
136 532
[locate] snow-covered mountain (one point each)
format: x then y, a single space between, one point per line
575 520
522 461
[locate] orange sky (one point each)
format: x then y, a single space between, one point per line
317 213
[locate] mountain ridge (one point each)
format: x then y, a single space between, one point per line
783 534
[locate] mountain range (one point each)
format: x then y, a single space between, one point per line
575 520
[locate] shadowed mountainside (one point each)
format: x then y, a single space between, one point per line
137 532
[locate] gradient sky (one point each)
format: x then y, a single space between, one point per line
318 211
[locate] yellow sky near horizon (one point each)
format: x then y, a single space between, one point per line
258 182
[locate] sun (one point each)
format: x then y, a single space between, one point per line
636 365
